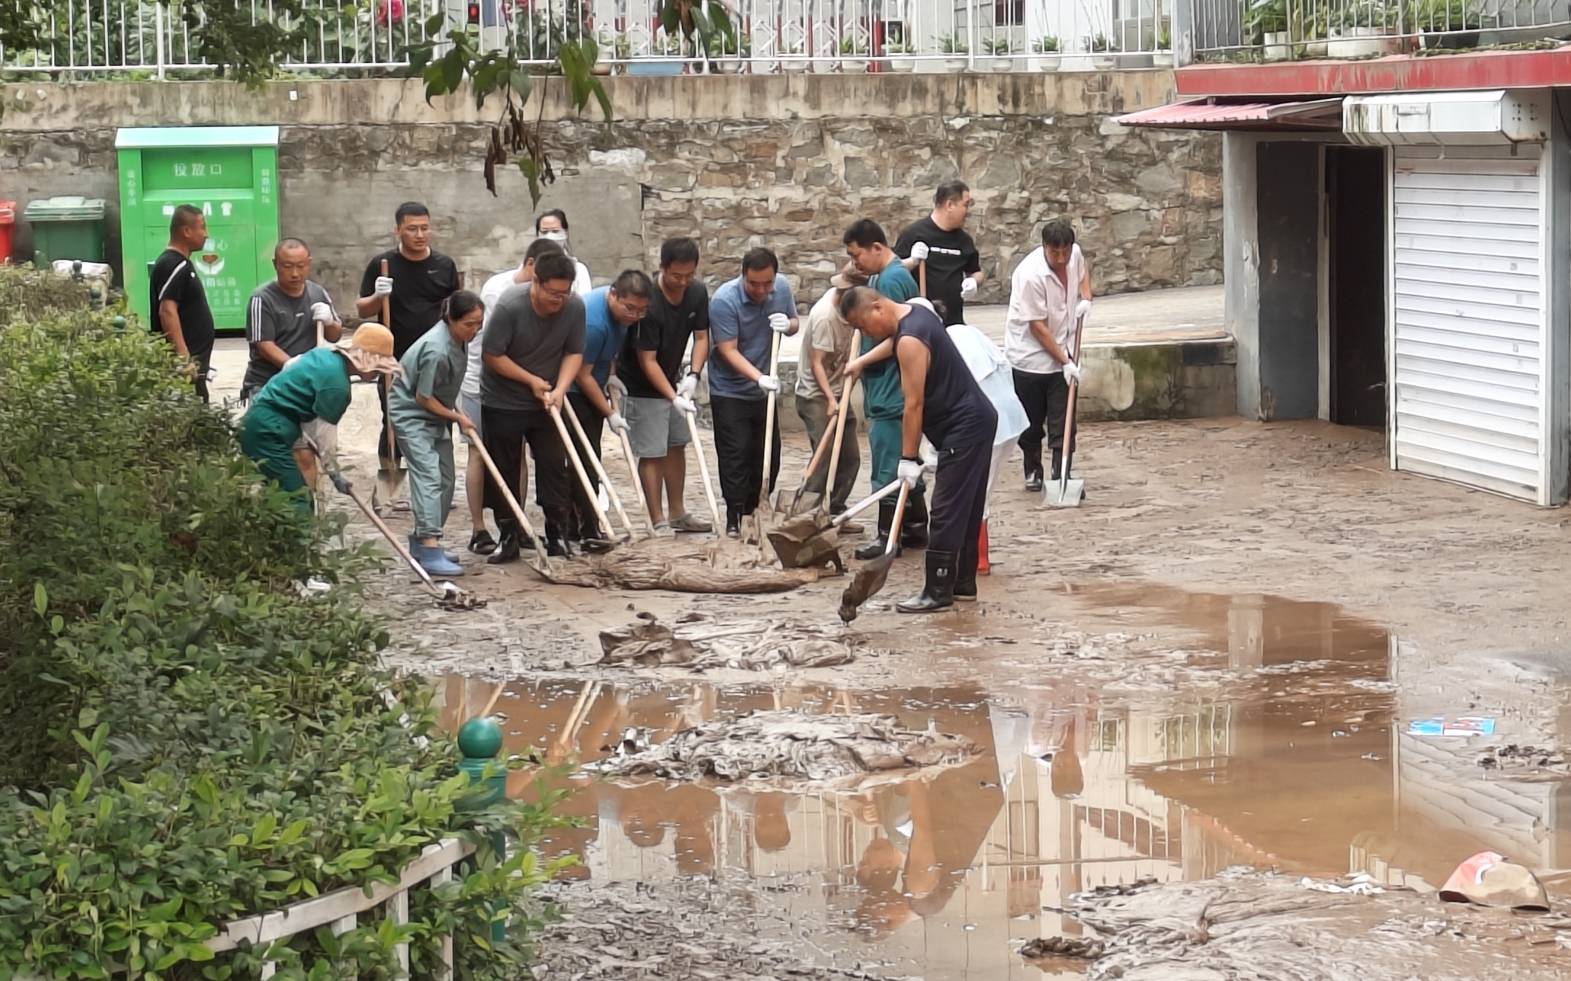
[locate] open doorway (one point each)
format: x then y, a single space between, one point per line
1356 233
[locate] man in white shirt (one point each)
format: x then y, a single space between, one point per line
480 540
1049 293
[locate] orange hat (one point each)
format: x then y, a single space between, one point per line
373 337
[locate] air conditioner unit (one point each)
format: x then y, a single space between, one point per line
1489 118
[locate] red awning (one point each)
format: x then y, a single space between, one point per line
1320 114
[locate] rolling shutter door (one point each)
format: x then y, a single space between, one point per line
1469 317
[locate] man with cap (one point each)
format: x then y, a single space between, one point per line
315 387
882 398
743 315
944 403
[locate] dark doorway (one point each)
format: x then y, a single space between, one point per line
1356 232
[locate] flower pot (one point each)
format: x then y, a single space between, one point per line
1358 42
853 65
1102 61
1277 47
1451 41
901 64
732 66
655 66
954 63
795 67
1162 59
1002 63
1048 62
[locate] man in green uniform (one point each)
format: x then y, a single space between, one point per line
315 387
424 407
883 401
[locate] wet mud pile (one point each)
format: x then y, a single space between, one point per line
696 641
679 568
1244 924
793 746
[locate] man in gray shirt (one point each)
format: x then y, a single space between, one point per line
532 349
281 319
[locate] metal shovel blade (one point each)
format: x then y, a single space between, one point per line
801 542
1064 493
864 585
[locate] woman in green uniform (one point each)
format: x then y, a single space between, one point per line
424 407
314 387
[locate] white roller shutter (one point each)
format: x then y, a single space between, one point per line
1469 318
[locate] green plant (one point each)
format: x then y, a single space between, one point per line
1443 15
1045 45
851 47
1098 43
952 44
897 48
998 46
1164 39
1266 17
188 740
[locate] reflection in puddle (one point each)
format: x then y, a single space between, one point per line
1296 768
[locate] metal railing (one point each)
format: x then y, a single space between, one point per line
1279 30
137 37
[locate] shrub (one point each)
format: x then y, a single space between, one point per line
188 740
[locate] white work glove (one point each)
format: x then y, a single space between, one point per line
1082 308
1073 372
769 383
967 288
616 388
384 286
617 423
779 323
290 361
919 251
322 313
910 471
684 404
687 386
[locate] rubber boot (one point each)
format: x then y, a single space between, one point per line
414 540
1033 469
913 529
556 542
983 566
435 563
507 549
939 593
886 520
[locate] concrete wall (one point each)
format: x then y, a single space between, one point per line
1241 263
786 161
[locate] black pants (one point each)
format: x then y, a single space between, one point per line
504 432
204 363
1046 399
585 523
739 444
959 499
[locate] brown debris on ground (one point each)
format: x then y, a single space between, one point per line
792 745
679 568
1245 924
696 641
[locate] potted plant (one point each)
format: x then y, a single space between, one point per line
606 48
667 56
1002 51
1267 19
1162 57
899 56
1101 52
1360 30
1447 23
1046 51
853 55
733 63
956 48
791 57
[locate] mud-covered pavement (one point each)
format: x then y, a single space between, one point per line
1213 663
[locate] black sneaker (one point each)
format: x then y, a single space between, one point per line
1034 482
733 526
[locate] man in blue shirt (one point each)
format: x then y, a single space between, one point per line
744 315
608 312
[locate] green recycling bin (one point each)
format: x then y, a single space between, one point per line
231 173
68 227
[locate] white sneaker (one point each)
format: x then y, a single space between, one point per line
663 529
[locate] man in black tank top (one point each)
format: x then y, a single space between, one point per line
944 403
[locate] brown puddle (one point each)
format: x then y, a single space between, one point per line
1299 766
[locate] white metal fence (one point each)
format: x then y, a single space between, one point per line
344 36
1278 30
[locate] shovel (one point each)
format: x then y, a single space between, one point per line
807 539
769 445
605 481
1064 492
871 577
703 467
840 417
791 502
583 478
512 502
389 475
638 482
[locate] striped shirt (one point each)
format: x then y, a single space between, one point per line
175 279
273 315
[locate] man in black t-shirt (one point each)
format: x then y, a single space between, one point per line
954 267
657 391
418 280
177 300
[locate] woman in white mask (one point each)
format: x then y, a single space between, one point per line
552 225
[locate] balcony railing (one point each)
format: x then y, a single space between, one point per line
1280 30
116 37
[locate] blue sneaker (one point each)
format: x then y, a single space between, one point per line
435 562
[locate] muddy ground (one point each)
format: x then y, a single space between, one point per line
1213 663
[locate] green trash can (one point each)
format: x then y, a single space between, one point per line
68 227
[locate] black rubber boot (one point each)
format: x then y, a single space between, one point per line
913 527
939 593
1033 469
965 585
886 519
507 550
